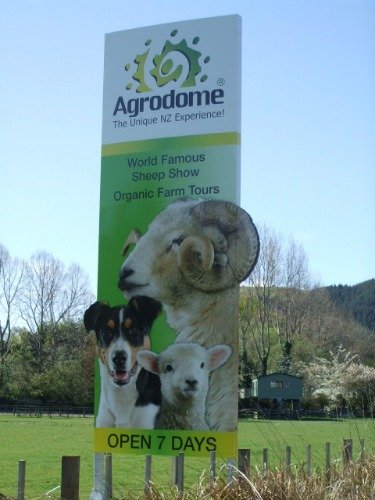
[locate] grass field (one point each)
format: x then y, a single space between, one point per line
43 441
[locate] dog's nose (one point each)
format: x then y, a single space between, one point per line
119 359
124 273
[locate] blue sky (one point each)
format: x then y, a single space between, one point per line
308 122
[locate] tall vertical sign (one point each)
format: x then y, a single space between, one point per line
171 131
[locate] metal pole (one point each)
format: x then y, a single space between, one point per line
174 471
230 470
148 465
180 472
21 480
108 477
212 465
288 458
308 460
363 455
265 460
328 461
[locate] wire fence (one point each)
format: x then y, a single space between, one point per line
47 410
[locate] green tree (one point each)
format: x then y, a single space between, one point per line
66 375
17 368
247 364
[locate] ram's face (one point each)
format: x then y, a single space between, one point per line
152 269
191 245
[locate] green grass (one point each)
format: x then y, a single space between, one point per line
43 441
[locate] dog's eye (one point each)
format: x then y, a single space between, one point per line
202 365
169 368
133 331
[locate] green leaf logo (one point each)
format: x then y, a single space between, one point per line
176 61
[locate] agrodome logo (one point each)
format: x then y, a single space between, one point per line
176 62
150 74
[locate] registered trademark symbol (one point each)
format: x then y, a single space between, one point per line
221 82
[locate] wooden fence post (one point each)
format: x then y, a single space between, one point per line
347 451
244 462
308 460
108 476
21 479
70 478
148 465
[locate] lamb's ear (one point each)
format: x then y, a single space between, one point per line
149 361
147 309
218 355
93 314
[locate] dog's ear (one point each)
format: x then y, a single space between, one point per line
147 309
93 314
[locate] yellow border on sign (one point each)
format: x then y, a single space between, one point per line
227 138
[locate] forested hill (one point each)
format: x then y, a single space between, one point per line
357 300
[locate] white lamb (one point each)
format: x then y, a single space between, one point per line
191 259
184 370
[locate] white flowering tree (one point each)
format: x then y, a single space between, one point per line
359 388
341 381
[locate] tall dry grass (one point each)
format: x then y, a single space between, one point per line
356 481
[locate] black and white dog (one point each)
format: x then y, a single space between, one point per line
130 395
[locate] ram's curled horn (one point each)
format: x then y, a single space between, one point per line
195 257
235 242
132 239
